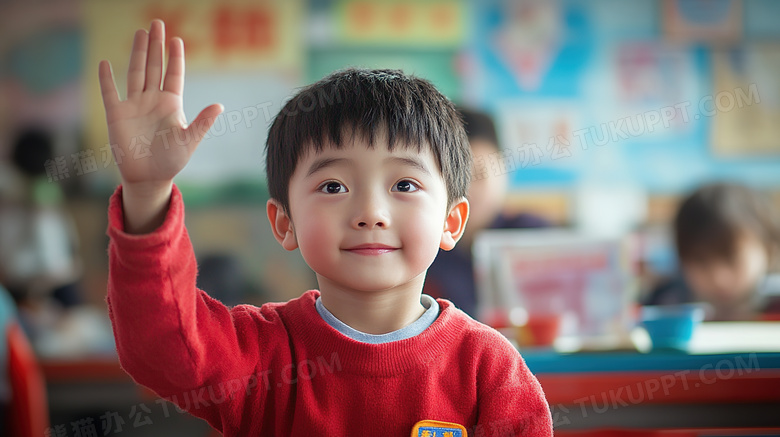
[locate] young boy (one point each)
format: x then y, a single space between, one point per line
368 185
727 239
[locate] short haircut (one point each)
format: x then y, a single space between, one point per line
365 102
711 221
479 126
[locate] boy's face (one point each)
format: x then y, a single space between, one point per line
369 219
725 283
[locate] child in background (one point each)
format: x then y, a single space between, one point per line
38 239
451 275
727 238
368 184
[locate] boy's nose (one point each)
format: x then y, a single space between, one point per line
371 215
371 220
378 224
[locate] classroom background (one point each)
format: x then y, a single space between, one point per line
608 112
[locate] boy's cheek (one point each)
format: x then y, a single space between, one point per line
315 242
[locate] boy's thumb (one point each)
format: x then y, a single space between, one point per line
205 120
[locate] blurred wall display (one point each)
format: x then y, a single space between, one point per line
746 101
622 76
420 38
529 39
40 70
529 47
414 24
637 101
584 283
247 55
714 21
538 141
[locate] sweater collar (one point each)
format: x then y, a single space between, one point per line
323 341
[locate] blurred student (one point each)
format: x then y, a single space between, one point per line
727 238
452 274
39 262
38 240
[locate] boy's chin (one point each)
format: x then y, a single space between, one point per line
373 284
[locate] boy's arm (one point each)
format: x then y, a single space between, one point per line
170 336
513 403
174 338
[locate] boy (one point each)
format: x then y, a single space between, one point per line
368 187
727 239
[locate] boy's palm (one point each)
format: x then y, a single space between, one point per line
149 130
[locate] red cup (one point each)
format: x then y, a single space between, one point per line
542 330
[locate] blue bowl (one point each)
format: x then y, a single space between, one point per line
671 327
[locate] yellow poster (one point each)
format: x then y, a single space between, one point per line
745 101
431 23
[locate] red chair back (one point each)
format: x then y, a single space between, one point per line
29 415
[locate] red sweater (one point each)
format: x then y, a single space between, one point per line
281 370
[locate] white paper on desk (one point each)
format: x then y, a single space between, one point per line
735 337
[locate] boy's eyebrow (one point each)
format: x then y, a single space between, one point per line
327 162
410 162
324 162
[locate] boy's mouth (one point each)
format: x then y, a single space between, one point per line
371 249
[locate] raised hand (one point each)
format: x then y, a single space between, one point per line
149 115
149 129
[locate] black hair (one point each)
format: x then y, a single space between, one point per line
364 102
479 126
711 221
32 147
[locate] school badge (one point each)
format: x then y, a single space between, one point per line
435 428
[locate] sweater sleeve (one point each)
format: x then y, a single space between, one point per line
512 402
171 336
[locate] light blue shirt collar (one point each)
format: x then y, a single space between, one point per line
409 331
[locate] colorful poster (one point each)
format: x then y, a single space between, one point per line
529 39
745 101
526 48
711 21
404 23
40 67
541 133
652 92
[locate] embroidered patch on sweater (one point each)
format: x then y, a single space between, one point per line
435 428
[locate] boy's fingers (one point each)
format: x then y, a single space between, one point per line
204 121
107 85
154 61
174 75
137 69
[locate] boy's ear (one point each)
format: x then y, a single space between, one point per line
281 225
455 224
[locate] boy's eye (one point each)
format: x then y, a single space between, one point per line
405 186
333 188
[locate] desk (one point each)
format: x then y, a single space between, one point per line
659 390
585 390
91 386
91 368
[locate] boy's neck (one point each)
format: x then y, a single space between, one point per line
373 312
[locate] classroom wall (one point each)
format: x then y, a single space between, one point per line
608 110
